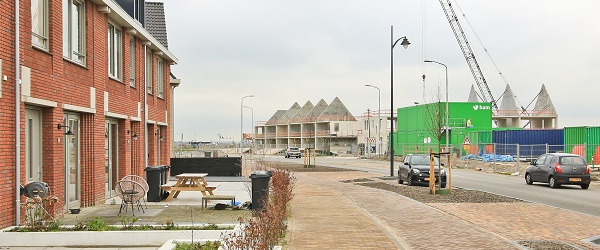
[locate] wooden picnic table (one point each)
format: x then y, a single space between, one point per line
189 182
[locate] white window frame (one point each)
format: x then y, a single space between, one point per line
160 81
74 31
132 61
39 23
115 51
149 72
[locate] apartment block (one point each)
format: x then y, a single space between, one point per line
323 127
85 97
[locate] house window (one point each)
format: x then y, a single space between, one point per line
39 23
115 51
74 30
149 71
336 127
160 82
132 61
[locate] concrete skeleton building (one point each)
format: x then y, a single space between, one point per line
324 127
86 97
510 115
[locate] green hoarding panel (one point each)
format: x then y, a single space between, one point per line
485 136
593 144
413 129
574 139
416 118
575 135
480 114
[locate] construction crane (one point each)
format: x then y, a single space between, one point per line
486 94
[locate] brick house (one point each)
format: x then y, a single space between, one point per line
93 97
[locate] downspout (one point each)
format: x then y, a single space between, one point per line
17 117
145 92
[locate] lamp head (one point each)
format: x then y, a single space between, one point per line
69 132
405 43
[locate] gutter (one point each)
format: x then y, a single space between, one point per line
17 117
145 92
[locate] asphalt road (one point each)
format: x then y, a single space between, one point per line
567 197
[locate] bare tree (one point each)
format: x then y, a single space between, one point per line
435 117
435 122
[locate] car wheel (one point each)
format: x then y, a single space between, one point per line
410 181
400 181
286 156
552 182
443 185
528 179
585 186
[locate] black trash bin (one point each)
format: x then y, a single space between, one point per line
156 176
260 190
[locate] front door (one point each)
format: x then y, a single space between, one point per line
72 166
111 160
536 170
33 144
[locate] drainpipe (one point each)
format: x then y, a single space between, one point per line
145 92
17 117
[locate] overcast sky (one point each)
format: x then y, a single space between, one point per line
286 51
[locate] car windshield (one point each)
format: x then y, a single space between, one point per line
572 160
293 149
422 160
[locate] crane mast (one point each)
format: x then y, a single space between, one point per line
486 94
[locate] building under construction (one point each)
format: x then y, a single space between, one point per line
324 127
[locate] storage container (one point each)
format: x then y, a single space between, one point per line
531 142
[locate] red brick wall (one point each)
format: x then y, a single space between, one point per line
63 82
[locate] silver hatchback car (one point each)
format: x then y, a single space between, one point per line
557 169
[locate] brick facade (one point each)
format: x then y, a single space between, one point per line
59 86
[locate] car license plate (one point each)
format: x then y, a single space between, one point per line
426 179
574 179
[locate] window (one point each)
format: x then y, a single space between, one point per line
74 30
39 23
549 159
160 81
540 160
149 71
132 61
336 127
115 51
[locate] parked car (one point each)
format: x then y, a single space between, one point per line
293 152
415 170
559 169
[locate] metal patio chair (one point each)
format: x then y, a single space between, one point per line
130 192
141 181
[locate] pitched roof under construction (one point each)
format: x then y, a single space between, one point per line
336 111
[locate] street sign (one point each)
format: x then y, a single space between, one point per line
467 141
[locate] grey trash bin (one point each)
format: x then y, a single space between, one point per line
260 190
156 176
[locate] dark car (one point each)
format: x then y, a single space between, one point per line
559 169
415 170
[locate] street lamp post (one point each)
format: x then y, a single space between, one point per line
447 134
368 152
378 150
252 127
241 122
405 44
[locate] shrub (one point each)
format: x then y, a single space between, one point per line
269 226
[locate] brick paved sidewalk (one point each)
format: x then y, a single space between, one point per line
329 214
